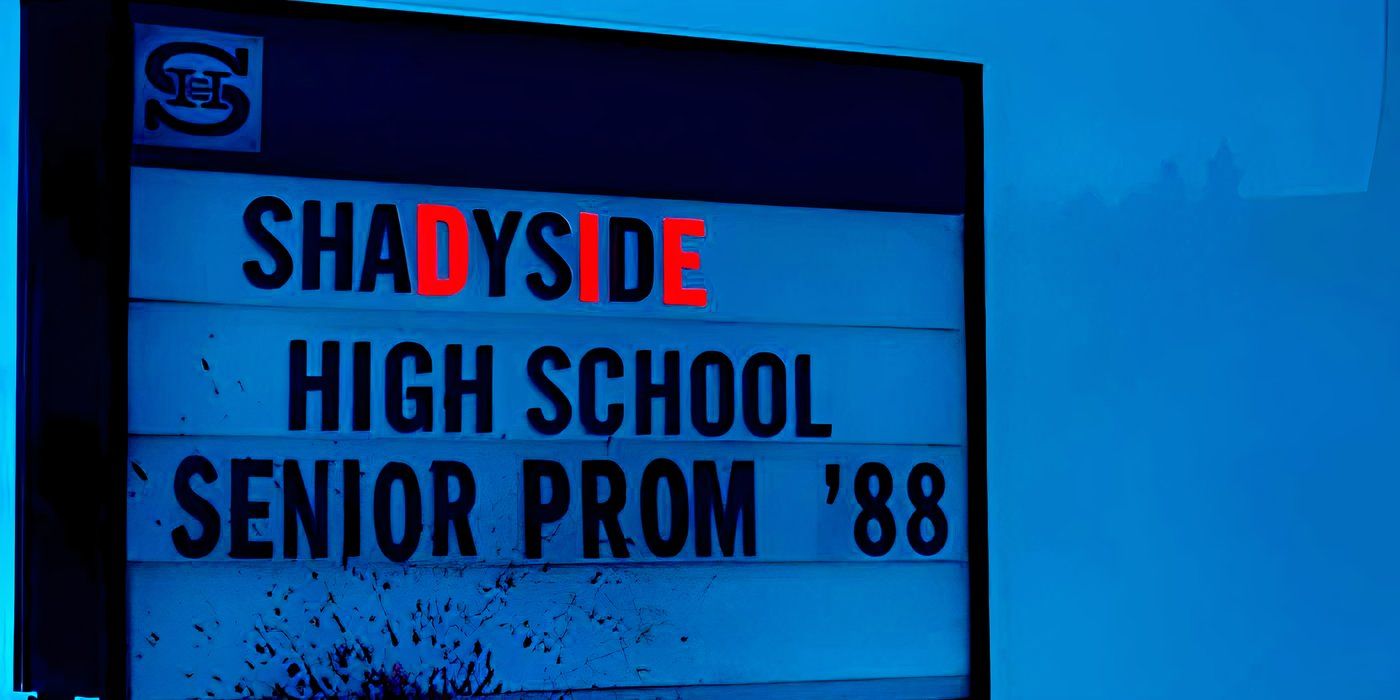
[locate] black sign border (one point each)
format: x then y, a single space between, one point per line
74 199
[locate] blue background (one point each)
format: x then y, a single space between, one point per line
1193 348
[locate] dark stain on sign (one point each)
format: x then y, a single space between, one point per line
347 660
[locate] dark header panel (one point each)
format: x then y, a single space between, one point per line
360 94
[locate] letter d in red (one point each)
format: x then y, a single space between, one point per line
429 217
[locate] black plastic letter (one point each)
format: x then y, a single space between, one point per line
281 259
699 394
359 386
664 469
352 511
413 511
385 229
803 398
497 246
588 391
341 245
534 234
302 383
618 228
242 510
479 386
395 394
603 512
537 511
297 507
777 374
725 511
668 390
203 511
563 413
453 512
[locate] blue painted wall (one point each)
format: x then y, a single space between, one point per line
1194 355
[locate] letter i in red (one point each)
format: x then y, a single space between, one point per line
587 257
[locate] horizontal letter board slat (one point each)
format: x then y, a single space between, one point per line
796 527
820 262
915 376
802 623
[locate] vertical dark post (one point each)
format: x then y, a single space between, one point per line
71 433
975 333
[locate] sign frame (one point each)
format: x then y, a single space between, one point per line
75 160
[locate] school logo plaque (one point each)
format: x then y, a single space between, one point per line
197 89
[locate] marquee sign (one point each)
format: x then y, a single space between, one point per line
440 390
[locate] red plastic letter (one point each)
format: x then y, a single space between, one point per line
429 216
587 256
674 259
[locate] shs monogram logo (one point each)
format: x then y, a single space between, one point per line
198 89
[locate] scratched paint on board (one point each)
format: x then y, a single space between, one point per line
310 626
387 437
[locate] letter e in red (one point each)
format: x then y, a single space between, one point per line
674 259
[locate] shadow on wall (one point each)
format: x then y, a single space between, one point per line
1193 439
